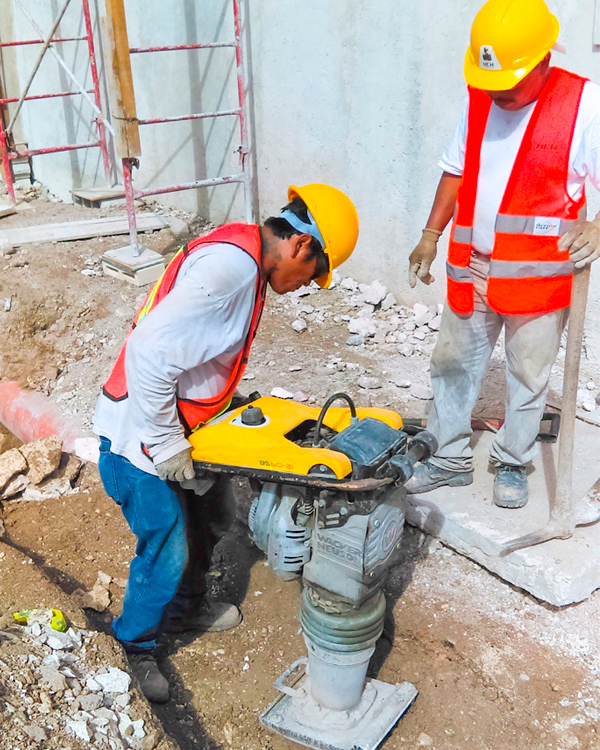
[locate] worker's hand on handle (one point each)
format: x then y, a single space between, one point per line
582 242
177 468
422 257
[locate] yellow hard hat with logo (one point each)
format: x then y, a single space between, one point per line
508 39
336 218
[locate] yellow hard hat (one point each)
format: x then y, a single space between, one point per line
508 39
336 218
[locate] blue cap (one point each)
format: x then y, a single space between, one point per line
303 227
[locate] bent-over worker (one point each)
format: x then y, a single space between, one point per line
179 367
514 179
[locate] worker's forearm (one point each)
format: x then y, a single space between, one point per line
444 202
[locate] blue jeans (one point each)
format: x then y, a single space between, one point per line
176 532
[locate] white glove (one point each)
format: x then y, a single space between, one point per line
422 257
582 242
177 468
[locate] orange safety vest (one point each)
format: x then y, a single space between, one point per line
195 412
528 273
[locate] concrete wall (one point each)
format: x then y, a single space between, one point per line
360 94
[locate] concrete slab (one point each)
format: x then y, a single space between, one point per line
559 572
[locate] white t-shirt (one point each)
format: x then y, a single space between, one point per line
186 346
503 135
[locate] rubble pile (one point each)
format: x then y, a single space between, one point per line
51 688
372 315
37 471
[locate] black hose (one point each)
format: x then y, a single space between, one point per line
324 410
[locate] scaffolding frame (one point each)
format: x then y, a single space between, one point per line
8 149
243 176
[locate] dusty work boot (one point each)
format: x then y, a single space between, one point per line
510 486
429 477
153 683
210 617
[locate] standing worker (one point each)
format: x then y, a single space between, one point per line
179 367
514 180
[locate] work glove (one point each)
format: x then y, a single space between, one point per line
582 242
177 468
422 257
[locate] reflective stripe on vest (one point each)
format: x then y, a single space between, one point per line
463 234
540 269
458 273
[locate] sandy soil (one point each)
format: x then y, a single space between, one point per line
494 668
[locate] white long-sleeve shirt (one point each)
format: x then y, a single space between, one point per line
186 346
503 136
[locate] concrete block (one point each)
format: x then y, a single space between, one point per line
43 457
559 572
11 463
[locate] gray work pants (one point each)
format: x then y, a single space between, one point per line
458 366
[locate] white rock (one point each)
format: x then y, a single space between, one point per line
388 302
114 681
138 729
400 382
435 323
591 386
294 368
419 335
356 340
420 391
59 641
366 312
281 393
248 376
362 326
588 405
87 449
306 309
374 293
368 383
406 349
299 325
419 309
16 485
424 740
409 326
350 284
300 396
79 729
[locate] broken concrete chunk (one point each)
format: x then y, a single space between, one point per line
363 326
368 383
16 485
79 729
89 702
52 678
374 293
71 469
35 733
42 456
299 325
113 681
356 340
49 491
281 393
12 462
388 302
435 323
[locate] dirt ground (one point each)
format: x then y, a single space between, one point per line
494 668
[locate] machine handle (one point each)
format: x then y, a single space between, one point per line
280 681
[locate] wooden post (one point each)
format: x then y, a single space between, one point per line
120 81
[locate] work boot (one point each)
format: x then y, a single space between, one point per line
210 617
153 683
510 486
429 477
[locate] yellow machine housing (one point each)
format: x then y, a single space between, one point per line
269 446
